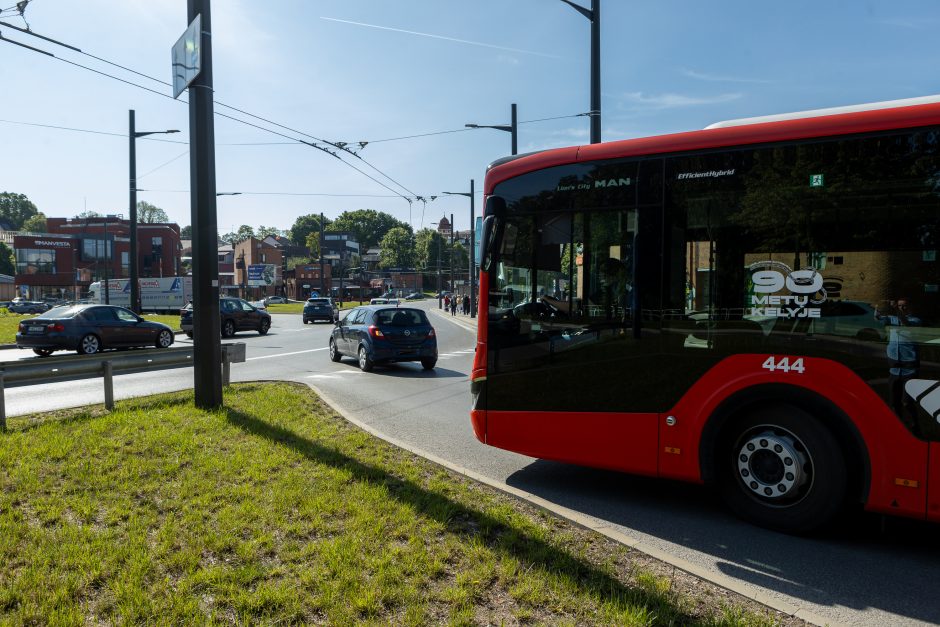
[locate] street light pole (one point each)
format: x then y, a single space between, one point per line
471 275
594 15
132 135
512 127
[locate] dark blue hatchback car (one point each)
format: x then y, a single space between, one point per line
381 333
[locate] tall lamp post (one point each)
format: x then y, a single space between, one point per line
512 127
594 15
472 274
132 135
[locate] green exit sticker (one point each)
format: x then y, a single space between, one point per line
816 180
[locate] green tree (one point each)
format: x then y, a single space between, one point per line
150 214
368 225
88 214
313 243
7 265
264 231
186 232
243 233
304 226
35 224
397 249
428 243
15 209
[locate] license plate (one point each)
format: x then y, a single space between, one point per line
36 330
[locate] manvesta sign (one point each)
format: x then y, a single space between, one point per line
52 243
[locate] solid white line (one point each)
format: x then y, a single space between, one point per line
312 350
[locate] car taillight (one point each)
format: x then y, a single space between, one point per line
57 327
374 331
22 327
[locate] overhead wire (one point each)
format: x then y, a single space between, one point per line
338 146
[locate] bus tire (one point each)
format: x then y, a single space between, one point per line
781 468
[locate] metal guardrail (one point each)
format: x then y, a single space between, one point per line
105 365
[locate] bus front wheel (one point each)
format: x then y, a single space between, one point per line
781 468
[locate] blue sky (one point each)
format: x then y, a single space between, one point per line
373 70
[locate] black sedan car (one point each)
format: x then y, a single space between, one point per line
320 309
237 315
89 329
379 333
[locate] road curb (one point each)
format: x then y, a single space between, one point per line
593 524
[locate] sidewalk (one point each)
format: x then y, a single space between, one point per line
459 319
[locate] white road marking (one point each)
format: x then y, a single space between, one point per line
311 350
334 375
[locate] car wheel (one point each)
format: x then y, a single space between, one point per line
43 352
265 325
781 468
365 364
228 329
89 345
335 355
428 363
189 334
164 339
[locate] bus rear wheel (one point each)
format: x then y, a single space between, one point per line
781 468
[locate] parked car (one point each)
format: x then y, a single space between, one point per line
379 333
89 329
415 296
320 309
275 300
379 301
236 315
28 307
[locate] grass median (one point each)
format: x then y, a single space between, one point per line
275 510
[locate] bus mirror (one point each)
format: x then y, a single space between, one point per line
495 212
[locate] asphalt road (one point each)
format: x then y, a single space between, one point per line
870 572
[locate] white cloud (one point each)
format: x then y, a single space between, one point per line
717 78
918 23
670 101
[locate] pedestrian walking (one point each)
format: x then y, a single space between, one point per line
466 305
453 305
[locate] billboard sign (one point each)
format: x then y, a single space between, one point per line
262 274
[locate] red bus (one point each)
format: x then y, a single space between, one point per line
753 306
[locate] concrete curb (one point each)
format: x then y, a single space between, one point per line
592 524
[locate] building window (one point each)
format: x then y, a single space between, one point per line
35 261
96 249
125 262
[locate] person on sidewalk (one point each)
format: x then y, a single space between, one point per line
453 305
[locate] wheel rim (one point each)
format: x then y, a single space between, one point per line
89 344
332 349
363 358
773 465
265 325
165 339
229 329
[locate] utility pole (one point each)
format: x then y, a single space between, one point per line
132 135
440 299
473 263
322 269
207 359
451 256
594 15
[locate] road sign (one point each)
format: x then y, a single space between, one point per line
816 180
186 58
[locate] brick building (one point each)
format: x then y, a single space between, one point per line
74 252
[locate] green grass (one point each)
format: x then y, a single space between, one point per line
294 308
275 510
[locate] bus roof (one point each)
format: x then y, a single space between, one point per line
814 113
865 118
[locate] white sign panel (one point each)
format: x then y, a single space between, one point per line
186 58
